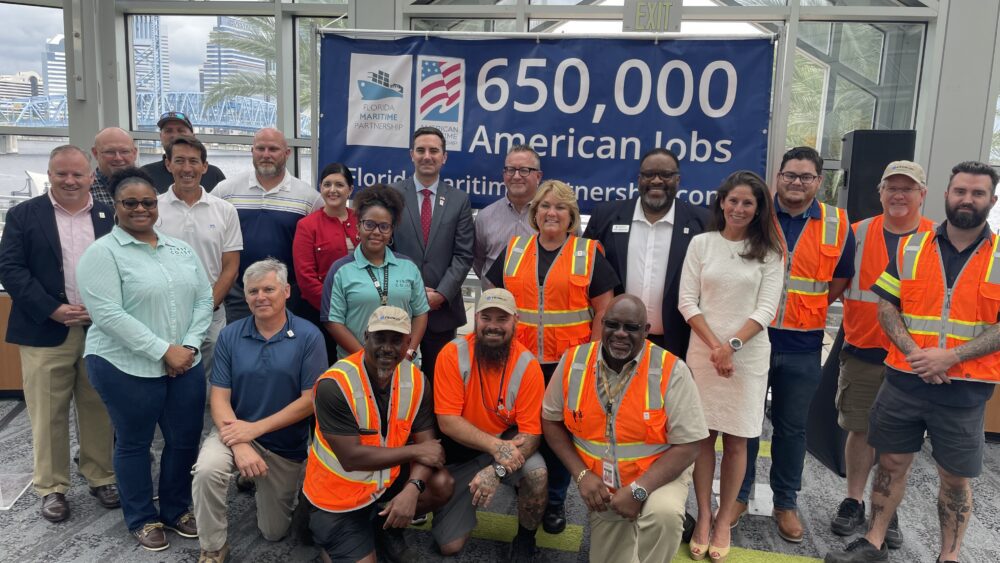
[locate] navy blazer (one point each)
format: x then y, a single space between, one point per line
446 259
31 269
689 220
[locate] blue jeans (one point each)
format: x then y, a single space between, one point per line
793 379
136 405
559 476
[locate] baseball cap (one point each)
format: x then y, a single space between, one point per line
389 318
499 298
907 168
174 116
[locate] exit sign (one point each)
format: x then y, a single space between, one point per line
652 15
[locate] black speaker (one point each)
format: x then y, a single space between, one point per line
865 156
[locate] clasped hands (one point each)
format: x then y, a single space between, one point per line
237 434
722 360
178 359
599 498
932 364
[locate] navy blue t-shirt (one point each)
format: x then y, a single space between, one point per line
791 227
266 376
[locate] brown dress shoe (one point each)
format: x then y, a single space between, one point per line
185 526
789 526
214 556
107 496
152 537
54 507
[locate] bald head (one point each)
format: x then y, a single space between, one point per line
624 329
114 150
270 154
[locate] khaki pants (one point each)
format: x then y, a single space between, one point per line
52 377
276 493
211 337
653 538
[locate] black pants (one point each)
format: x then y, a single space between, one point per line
430 346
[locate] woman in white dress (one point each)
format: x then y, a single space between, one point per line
729 293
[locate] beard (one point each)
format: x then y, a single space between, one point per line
267 170
492 355
966 220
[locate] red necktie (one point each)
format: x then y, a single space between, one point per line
425 213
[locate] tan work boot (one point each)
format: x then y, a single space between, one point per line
214 556
789 526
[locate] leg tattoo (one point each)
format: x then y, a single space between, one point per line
531 497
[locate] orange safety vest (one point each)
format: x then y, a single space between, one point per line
559 316
809 270
938 317
861 327
327 484
639 420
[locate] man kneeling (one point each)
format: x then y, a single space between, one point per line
488 399
265 368
624 416
368 406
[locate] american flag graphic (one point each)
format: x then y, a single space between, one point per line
440 85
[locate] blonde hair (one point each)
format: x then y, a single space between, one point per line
564 194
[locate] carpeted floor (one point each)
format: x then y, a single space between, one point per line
98 535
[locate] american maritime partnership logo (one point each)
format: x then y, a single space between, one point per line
379 101
441 96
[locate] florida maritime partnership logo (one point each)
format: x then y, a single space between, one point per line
441 96
378 104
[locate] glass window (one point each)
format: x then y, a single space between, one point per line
320 1
576 2
851 3
220 70
24 165
448 24
995 146
32 68
851 76
304 58
575 26
468 2
735 2
304 156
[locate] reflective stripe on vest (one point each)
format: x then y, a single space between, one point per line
854 290
934 326
623 452
516 374
912 245
516 255
578 369
807 286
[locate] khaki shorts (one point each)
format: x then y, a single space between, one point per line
857 387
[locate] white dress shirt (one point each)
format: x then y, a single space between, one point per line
648 249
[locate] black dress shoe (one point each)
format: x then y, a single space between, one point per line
554 519
54 507
688 531
107 496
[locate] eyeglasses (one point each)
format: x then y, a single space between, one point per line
665 175
523 171
904 191
790 177
118 152
132 203
615 326
369 225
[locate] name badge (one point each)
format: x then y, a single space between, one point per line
608 472
441 202
620 228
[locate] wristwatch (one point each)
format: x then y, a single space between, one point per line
735 344
420 485
638 492
410 354
500 470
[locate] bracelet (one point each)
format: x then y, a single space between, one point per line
580 476
192 348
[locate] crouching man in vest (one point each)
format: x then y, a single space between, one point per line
488 391
364 479
625 418
940 306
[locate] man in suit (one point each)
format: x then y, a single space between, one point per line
437 233
637 233
42 242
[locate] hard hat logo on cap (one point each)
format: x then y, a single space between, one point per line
498 298
906 168
389 318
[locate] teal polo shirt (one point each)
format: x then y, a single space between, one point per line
350 296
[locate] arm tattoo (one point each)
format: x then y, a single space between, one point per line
891 319
986 343
505 450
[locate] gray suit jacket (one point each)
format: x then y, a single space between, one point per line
446 259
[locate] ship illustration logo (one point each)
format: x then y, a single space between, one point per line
378 87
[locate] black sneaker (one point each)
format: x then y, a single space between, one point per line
392 546
893 536
554 519
858 551
850 515
522 549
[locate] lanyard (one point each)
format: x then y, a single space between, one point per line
482 390
383 288
610 395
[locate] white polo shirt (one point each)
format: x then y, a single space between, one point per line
646 272
211 226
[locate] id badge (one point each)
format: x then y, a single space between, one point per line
608 472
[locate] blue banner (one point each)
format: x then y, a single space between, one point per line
590 107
